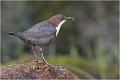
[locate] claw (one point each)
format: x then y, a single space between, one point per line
35 60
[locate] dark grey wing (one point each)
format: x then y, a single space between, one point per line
40 30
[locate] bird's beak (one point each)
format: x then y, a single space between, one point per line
70 18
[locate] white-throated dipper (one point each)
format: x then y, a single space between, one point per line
42 33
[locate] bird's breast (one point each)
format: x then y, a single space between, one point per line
59 26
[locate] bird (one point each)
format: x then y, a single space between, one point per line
42 33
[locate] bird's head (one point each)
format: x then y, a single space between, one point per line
55 20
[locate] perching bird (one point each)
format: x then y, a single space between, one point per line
42 33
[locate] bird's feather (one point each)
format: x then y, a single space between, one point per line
40 30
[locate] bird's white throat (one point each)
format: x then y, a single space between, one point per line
59 26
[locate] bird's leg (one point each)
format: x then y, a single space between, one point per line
33 49
41 52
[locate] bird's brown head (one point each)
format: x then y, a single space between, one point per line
55 20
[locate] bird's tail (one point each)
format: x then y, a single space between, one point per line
12 33
17 34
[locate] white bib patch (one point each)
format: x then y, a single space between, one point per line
59 26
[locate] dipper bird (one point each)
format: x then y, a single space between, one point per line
42 33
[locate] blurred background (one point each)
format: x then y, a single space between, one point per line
88 46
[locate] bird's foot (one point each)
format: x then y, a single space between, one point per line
36 60
47 64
